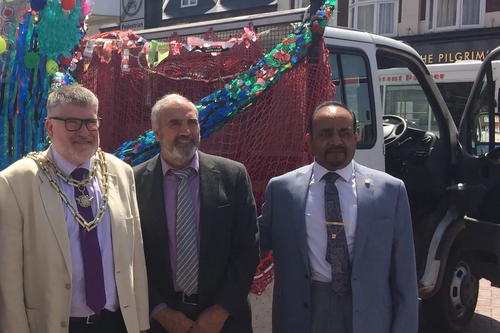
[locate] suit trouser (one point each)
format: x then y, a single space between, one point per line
330 313
108 322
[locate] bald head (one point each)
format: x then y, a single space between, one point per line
164 103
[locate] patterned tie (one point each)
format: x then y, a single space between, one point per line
186 235
337 253
91 253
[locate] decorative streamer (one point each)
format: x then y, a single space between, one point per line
124 40
216 109
34 37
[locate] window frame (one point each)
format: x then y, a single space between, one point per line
339 51
298 4
424 78
191 3
353 17
458 24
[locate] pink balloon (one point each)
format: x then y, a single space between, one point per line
86 7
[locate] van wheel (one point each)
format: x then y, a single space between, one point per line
453 306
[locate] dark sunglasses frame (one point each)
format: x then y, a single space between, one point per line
86 121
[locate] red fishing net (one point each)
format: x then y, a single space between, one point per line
268 138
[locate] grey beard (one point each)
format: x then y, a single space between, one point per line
183 154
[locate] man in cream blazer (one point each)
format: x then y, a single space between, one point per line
39 274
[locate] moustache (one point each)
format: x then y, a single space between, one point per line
183 137
81 138
336 150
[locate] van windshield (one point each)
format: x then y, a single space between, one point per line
403 96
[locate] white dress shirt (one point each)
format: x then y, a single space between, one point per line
316 221
79 306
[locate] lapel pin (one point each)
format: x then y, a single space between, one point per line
367 182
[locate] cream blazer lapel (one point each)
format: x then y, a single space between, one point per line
54 210
116 215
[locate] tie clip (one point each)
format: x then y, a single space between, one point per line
335 223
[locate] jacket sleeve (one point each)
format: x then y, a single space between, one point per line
403 275
244 256
13 318
154 295
140 276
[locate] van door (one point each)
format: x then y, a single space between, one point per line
354 72
479 168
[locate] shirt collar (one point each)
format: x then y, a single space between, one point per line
195 164
66 166
344 173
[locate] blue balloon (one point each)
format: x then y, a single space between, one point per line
38 5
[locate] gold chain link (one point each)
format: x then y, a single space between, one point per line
44 163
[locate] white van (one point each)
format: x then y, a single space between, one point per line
452 176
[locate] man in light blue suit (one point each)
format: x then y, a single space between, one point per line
341 237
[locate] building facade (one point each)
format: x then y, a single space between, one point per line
104 12
442 31
165 13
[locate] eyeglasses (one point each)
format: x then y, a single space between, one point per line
74 124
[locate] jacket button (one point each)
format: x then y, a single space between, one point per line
306 305
63 324
68 286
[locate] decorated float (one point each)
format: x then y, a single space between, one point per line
253 104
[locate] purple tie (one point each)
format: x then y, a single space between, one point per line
337 252
91 253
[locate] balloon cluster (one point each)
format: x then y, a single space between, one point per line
38 38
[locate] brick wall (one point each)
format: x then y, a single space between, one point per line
492 6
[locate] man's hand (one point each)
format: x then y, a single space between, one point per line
211 320
174 321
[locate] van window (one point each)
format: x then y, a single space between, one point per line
350 74
480 121
455 95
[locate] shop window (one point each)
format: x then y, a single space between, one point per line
455 14
302 3
189 3
377 16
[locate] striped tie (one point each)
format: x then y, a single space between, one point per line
186 235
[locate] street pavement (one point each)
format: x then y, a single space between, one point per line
487 317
